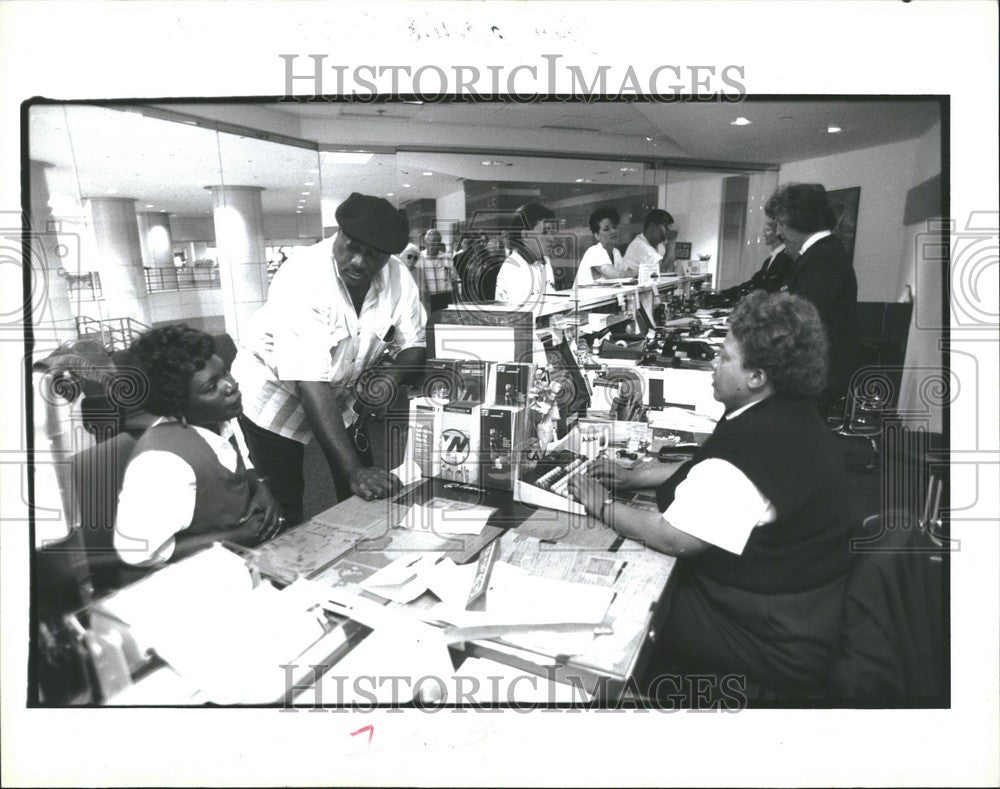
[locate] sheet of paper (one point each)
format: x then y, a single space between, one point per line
681 419
450 582
444 516
404 579
516 597
408 471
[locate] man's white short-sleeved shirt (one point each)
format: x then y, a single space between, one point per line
309 331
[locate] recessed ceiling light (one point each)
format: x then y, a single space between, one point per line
304 193
309 183
627 169
741 121
149 205
427 173
649 139
314 170
390 194
833 129
406 186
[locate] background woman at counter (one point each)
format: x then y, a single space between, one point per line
602 260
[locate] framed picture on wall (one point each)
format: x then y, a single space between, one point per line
682 250
845 205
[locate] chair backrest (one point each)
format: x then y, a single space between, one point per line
98 473
893 644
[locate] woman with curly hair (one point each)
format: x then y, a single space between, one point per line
759 518
188 483
822 273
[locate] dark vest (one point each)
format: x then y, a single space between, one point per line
786 451
222 496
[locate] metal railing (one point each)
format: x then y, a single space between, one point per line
115 334
85 287
170 279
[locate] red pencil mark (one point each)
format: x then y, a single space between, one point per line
369 728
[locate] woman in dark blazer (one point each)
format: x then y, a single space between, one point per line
822 273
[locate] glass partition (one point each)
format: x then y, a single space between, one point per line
145 195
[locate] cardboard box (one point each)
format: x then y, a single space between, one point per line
513 380
503 430
458 445
475 381
426 416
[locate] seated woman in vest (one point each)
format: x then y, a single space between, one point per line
189 482
602 260
760 517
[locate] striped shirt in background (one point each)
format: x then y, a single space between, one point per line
309 331
434 275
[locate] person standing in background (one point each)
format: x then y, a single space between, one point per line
434 273
526 275
822 273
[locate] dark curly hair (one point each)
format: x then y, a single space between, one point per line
169 357
782 335
804 207
604 212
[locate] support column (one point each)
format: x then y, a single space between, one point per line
239 239
54 255
155 240
119 262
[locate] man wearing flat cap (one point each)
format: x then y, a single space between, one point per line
334 312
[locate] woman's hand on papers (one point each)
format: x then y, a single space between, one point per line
263 516
374 483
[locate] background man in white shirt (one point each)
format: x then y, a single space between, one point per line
655 244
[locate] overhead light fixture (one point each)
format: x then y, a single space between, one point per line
406 186
309 183
649 139
346 157
741 121
390 194
427 173
627 169
314 170
305 193
833 129
149 205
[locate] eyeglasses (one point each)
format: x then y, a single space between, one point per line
359 435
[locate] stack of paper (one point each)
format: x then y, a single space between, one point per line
225 637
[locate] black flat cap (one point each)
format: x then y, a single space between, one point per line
374 222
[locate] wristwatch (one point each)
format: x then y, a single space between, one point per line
604 506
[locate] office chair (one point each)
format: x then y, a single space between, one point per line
868 396
894 637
